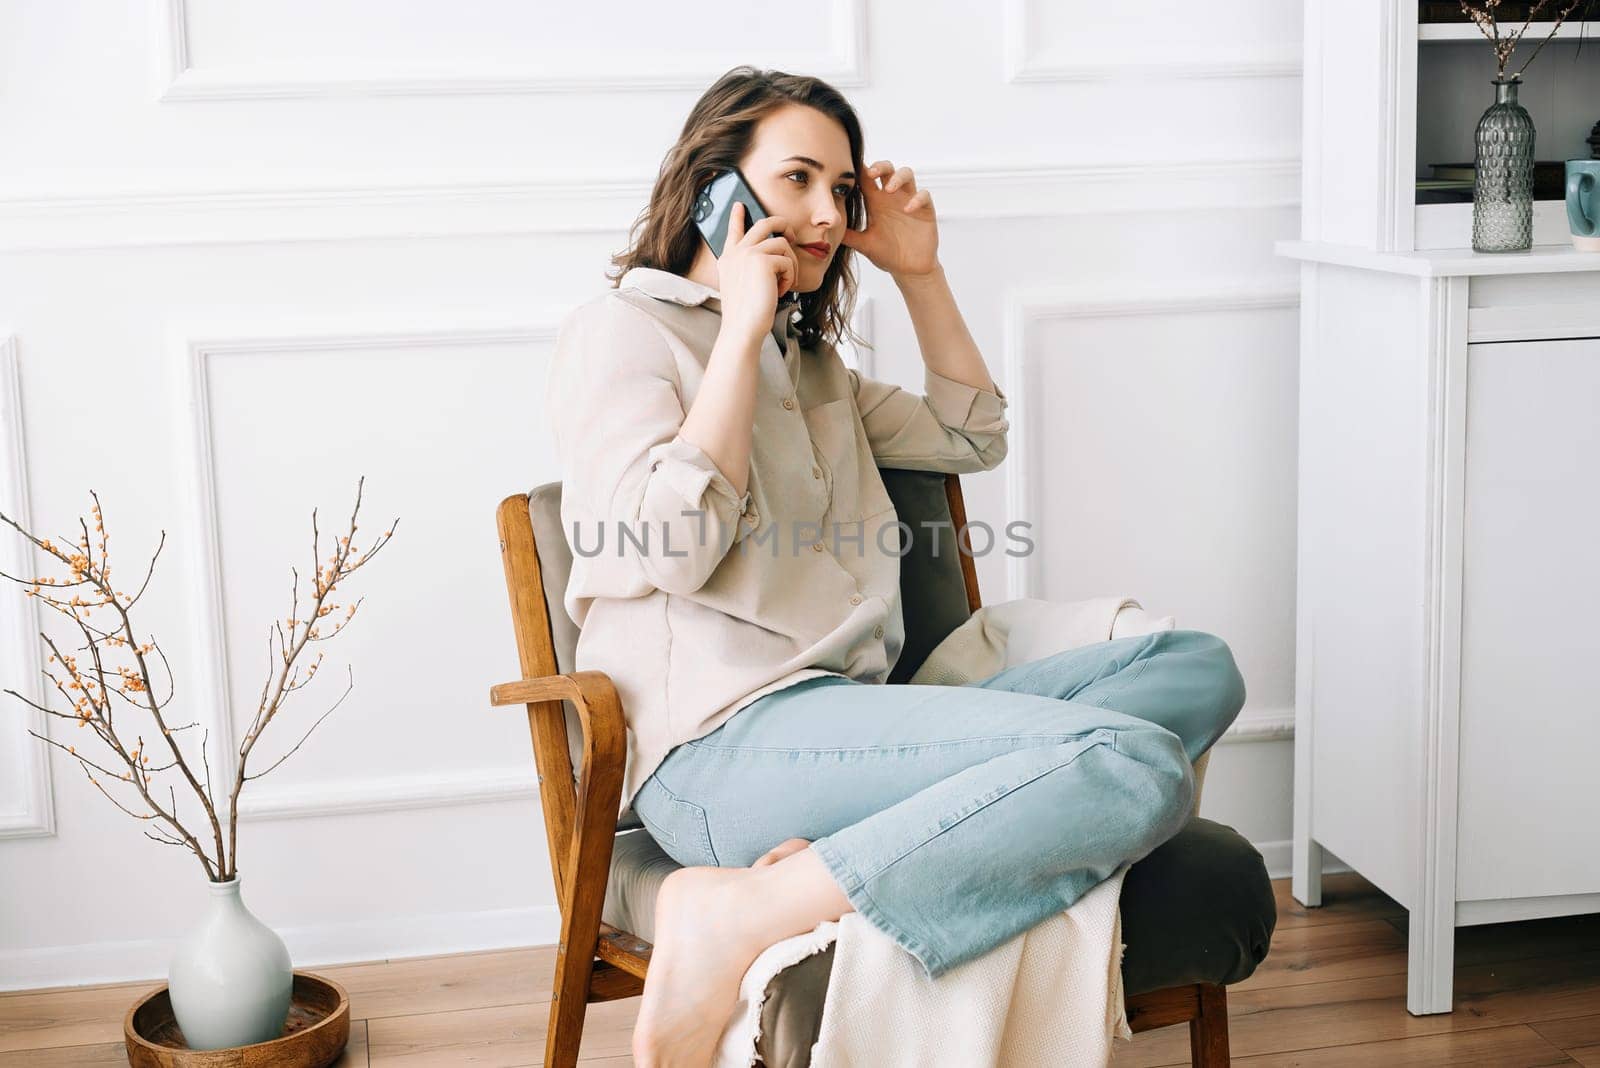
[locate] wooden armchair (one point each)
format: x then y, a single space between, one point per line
1197 913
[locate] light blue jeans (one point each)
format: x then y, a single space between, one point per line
955 818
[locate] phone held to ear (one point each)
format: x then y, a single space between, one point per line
714 206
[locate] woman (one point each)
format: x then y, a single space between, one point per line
703 403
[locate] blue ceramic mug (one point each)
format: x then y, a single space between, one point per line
1583 203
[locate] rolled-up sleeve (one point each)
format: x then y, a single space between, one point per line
641 507
953 427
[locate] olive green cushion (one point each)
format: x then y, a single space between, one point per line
933 592
1199 908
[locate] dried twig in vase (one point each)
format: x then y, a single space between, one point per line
1482 15
92 694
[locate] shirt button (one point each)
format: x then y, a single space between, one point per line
816 472
877 632
817 546
788 402
855 598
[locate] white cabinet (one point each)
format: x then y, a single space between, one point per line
1447 705
1447 689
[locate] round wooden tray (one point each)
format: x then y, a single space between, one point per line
315 1034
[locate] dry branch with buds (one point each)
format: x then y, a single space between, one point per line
93 689
1483 16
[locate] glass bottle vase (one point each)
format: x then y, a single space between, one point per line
1502 186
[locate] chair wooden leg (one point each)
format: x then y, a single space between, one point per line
580 928
575 953
1208 1031
568 1006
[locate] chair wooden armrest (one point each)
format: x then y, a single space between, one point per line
589 686
590 805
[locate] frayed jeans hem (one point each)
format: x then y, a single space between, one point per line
855 890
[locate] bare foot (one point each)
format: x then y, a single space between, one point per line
781 850
706 936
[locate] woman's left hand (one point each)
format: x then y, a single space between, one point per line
902 234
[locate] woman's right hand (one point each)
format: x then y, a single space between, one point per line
756 268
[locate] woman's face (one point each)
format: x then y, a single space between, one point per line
799 167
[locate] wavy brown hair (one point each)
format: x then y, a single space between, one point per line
716 135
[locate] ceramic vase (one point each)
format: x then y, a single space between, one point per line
230 979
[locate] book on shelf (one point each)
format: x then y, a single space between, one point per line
1549 179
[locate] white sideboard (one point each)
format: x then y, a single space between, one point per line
1447 707
1448 617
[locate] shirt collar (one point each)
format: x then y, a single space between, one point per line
665 285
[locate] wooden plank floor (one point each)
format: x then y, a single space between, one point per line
1331 992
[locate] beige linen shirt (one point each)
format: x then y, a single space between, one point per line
693 599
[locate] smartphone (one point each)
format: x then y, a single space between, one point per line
715 204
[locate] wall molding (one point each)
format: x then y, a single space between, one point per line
396 793
20 623
194 349
1019 68
310 946
1025 309
350 207
1260 725
844 65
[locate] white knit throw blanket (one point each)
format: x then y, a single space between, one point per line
1051 995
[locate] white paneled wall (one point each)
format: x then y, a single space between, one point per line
26 802
250 254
